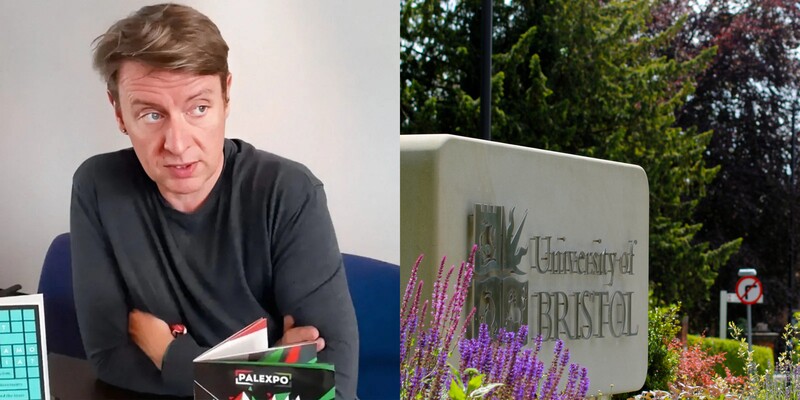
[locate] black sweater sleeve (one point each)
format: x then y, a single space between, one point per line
102 309
310 283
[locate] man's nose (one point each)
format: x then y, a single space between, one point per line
178 135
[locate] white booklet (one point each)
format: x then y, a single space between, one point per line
252 344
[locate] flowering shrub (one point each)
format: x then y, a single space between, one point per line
697 367
425 344
695 377
520 372
762 355
675 373
496 368
782 383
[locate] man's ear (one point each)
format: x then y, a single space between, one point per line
228 94
117 112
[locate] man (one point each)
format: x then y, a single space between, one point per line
190 228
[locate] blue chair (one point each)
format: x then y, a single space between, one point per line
375 289
55 284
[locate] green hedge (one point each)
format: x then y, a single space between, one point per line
762 355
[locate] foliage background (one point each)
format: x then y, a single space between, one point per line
701 94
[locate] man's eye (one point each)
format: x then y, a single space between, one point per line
152 117
199 110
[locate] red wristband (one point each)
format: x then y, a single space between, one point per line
177 329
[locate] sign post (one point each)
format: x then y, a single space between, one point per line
749 290
723 314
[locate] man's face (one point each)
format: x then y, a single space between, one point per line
176 123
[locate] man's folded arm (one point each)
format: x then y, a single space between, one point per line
102 311
310 285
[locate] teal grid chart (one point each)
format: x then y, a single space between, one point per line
20 353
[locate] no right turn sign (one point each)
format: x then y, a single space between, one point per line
749 289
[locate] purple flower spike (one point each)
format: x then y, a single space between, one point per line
430 333
572 382
584 386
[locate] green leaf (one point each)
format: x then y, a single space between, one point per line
456 376
481 392
474 383
456 392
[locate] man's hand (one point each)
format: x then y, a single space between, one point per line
151 334
292 334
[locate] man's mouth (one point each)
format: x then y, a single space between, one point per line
181 166
183 170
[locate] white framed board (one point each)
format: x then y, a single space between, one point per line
23 349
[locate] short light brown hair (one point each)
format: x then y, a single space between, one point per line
164 36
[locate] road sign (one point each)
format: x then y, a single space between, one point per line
749 289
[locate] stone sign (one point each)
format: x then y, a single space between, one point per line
562 244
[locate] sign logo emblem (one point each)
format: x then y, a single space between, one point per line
500 287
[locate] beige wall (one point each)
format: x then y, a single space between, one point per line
316 81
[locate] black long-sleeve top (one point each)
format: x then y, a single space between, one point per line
262 244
